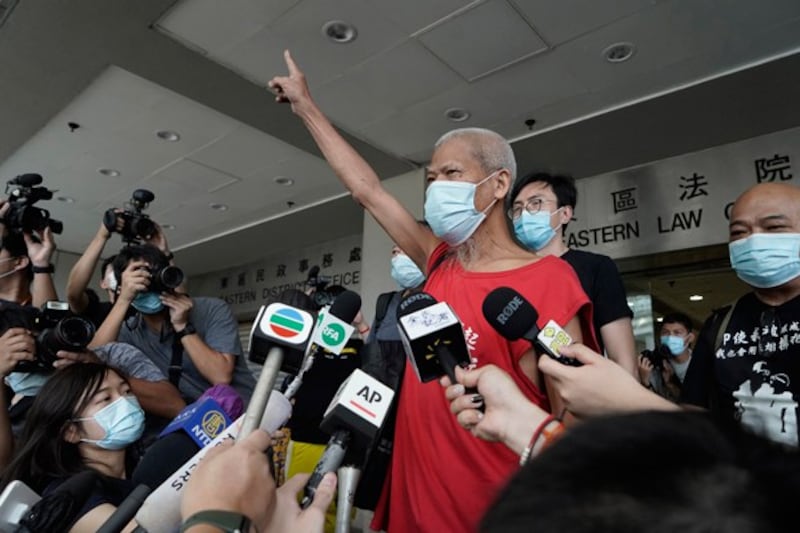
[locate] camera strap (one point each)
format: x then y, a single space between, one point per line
176 363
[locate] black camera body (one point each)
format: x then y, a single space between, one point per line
22 217
56 328
165 278
319 282
657 357
137 225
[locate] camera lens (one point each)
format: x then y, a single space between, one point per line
143 227
170 277
74 332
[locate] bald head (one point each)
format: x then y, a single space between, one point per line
487 147
766 208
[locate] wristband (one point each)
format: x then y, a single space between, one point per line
188 330
227 521
49 269
541 434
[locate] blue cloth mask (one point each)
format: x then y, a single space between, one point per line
26 383
148 303
533 229
766 260
676 345
123 422
450 209
406 273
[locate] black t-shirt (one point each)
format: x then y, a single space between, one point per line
754 376
602 283
320 384
96 311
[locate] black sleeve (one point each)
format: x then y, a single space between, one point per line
610 302
696 385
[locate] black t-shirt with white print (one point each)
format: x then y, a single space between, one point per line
754 376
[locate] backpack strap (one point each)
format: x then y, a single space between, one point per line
381 307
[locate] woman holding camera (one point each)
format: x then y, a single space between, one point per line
83 422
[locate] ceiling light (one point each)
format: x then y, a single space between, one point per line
66 199
619 52
168 135
283 180
457 114
339 32
110 172
168 226
660 319
696 298
218 207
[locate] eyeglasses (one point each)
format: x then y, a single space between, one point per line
532 206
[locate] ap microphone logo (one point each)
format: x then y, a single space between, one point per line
286 323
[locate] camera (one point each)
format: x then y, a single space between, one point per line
657 356
165 278
136 224
56 329
318 282
22 216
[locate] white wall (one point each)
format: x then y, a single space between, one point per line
409 189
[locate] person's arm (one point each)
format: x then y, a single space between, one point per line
160 398
354 172
217 367
599 386
81 274
91 521
619 342
16 345
40 254
135 278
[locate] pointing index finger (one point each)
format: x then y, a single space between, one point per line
293 68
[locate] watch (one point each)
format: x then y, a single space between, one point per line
188 330
227 521
49 269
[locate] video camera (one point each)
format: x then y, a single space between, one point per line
318 282
657 356
22 216
55 329
136 224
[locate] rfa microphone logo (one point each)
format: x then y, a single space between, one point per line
332 334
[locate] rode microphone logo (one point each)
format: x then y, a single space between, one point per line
508 310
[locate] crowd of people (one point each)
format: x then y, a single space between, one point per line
702 432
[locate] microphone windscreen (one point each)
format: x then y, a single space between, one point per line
508 312
415 302
346 306
163 458
227 397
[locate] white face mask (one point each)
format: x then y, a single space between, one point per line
111 281
6 260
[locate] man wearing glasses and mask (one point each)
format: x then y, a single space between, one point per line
542 206
746 364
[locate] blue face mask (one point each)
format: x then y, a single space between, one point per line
533 229
406 273
450 209
676 345
766 260
26 383
148 303
123 422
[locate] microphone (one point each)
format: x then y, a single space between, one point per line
331 333
432 336
125 511
162 509
347 477
514 317
277 327
353 417
194 428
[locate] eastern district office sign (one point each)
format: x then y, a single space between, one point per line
680 202
248 287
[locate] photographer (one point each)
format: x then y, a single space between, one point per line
25 268
663 369
194 341
83 300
